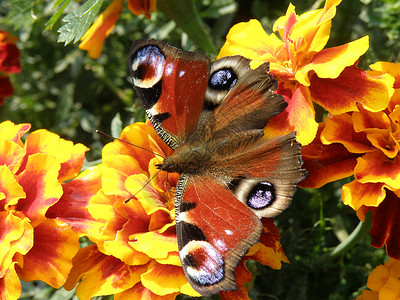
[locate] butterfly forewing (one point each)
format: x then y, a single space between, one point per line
171 85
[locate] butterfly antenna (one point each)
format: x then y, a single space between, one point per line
121 140
148 181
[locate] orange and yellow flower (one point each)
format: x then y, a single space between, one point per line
9 63
93 39
383 282
307 72
367 145
135 252
34 246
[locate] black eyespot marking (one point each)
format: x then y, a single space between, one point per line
150 96
161 117
203 263
147 69
223 79
261 195
191 232
186 206
207 105
235 183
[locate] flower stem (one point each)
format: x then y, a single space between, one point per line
362 229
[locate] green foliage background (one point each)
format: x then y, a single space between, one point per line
63 90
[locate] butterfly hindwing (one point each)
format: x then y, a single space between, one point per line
214 231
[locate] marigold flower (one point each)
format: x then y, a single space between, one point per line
364 144
34 246
135 254
9 63
383 282
93 39
307 72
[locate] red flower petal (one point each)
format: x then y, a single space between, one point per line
298 116
326 163
385 228
353 86
12 132
6 88
10 286
376 167
101 274
73 165
11 154
242 275
339 129
140 292
9 58
10 190
50 258
356 194
73 206
16 236
165 279
39 181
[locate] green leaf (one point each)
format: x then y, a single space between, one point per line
78 21
50 23
21 14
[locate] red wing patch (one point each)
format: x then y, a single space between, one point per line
214 231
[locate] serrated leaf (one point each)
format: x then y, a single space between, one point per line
50 23
78 21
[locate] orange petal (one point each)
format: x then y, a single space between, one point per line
154 244
330 62
43 191
10 286
143 135
375 167
11 154
166 279
73 165
339 129
10 190
73 206
385 229
352 86
69 155
140 292
326 163
368 295
242 275
356 194
299 115
378 278
10 131
100 274
115 170
250 40
142 7
121 247
50 258
94 38
270 252
16 236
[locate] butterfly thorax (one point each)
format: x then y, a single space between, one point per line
191 158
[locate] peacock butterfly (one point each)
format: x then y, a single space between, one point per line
212 115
